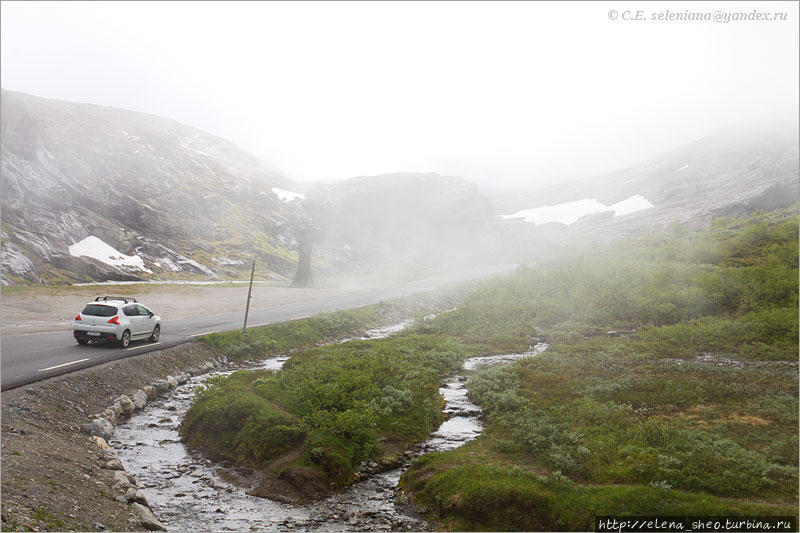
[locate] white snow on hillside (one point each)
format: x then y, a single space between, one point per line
570 212
565 213
97 249
631 205
288 196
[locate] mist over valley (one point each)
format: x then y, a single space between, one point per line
399 266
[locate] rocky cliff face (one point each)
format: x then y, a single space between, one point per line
187 203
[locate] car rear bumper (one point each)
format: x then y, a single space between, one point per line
96 333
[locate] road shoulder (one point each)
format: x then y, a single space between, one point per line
54 476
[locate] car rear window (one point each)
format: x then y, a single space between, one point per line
99 310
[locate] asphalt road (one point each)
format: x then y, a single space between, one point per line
32 357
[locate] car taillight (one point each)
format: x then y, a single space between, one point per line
78 317
114 320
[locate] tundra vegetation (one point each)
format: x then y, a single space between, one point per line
690 408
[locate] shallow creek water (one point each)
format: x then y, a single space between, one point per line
186 491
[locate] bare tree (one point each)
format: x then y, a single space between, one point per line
305 215
305 241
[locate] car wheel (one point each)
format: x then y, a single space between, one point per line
126 339
156 333
83 342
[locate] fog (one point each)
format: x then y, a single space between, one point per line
505 94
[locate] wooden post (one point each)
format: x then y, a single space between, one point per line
249 292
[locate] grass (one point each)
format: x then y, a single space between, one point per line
337 402
48 520
326 327
481 497
634 424
596 425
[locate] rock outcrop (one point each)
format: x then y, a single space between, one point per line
175 196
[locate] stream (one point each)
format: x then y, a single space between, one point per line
186 491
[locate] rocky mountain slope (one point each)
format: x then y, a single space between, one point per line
415 222
96 193
116 184
733 171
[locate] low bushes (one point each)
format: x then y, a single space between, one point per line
336 402
637 423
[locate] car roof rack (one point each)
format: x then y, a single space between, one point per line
125 299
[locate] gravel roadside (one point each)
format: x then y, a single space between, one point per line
55 476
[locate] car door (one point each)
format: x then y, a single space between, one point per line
147 321
132 313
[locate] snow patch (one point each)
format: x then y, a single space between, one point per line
97 249
631 205
570 212
288 196
565 213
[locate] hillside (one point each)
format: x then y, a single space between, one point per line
417 222
732 172
155 198
96 193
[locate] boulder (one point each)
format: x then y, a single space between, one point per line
147 518
110 416
109 454
101 443
173 381
99 427
121 480
133 495
139 399
114 464
161 386
150 391
121 485
127 405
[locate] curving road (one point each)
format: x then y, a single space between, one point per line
32 357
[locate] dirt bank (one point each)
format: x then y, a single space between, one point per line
54 476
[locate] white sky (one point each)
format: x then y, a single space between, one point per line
496 92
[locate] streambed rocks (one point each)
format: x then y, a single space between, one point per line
101 429
139 399
52 468
148 519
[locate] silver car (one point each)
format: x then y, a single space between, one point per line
115 319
